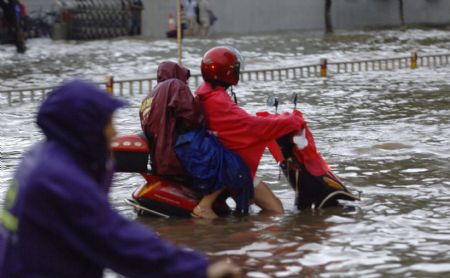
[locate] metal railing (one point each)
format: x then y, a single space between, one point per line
323 69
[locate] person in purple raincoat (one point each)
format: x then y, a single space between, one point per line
57 221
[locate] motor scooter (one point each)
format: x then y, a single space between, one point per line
314 183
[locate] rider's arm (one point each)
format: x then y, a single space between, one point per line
271 128
259 129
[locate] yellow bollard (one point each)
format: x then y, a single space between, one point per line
414 60
323 67
109 84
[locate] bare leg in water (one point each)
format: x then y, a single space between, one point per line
266 200
204 208
263 198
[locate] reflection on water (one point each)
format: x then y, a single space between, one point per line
384 133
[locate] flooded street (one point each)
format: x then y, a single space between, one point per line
384 133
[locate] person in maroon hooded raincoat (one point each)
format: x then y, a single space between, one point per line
172 98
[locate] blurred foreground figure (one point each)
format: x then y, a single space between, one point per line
136 7
57 220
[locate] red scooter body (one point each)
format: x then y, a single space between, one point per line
166 197
157 195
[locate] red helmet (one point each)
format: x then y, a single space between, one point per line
221 65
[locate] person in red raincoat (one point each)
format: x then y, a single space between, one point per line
245 134
168 111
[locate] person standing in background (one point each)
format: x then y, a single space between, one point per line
184 23
12 14
190 6
135 7
23 21
205 14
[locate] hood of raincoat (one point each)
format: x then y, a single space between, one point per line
75 115
169 70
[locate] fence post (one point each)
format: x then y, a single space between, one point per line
414 60
323 67
130 85
109 84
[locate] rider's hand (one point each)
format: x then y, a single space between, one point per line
224 269
215 133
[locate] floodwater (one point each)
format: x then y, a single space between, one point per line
384 133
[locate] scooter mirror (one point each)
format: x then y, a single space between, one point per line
272 101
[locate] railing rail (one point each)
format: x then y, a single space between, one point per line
143 85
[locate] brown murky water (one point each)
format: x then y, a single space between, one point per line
384 133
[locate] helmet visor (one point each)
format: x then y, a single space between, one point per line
238 55
239 63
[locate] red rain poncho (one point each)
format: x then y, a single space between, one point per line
245 134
